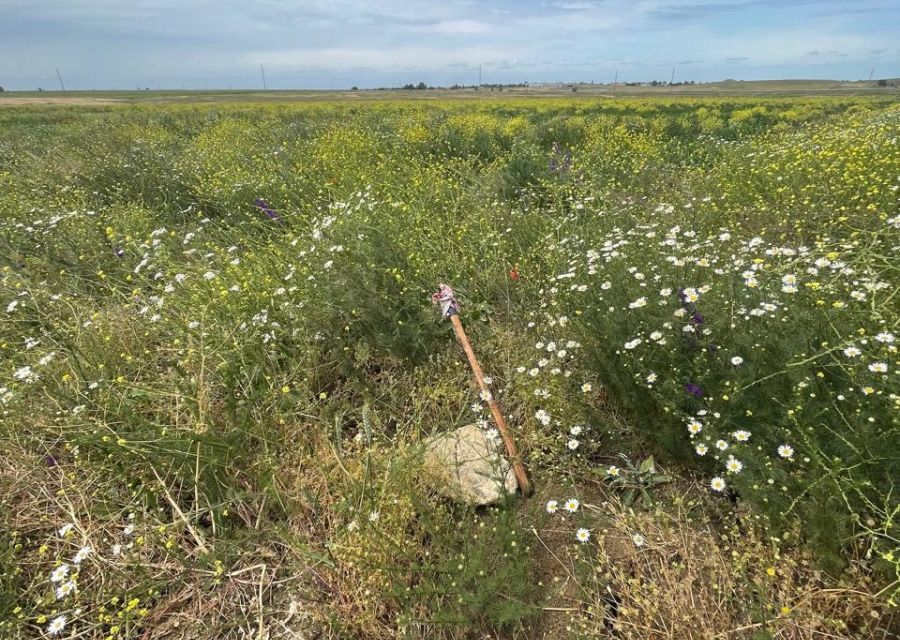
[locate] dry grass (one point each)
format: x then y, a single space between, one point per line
710 575
702 573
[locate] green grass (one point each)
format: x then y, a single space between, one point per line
228 406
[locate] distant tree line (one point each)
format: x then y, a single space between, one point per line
661 83
421 86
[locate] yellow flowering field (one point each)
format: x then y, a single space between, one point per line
219 364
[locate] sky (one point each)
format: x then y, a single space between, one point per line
322 44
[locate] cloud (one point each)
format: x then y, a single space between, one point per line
452 27
574 5
690 11
116 43
410 58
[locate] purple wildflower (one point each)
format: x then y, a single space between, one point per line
119 252
694 389
266 209
49 460
697 318
561 160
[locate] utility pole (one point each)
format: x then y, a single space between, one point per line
262 72
672 79
616 82
63 87
871 73
479 78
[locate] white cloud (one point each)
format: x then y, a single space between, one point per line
452 27
404 57
121 43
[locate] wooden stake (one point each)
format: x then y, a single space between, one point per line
518 469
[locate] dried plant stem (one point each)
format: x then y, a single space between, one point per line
196 536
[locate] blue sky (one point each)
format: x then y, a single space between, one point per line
124 44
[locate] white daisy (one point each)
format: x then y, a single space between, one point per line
583 535
83 553
786 451
65 589
717 484
24 373
733 465
60 573
56 625
571 505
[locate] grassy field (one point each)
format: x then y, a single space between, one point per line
219 362
569 91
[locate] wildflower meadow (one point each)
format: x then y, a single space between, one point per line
219 363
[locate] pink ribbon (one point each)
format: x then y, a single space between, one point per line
444 298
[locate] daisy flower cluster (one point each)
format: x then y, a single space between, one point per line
570 506
725 336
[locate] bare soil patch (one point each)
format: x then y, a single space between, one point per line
56 100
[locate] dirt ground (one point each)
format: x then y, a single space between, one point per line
70 101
